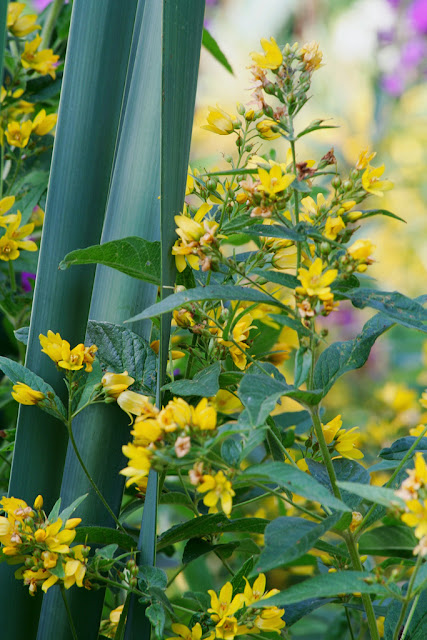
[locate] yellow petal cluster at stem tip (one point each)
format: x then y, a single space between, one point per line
24 394
18 134
43 61
273 181
265 129
115 383
371 181
42 123
218 489
219 121
312 56
184 633
361 249
19 25
316 283
364 159
344 441
60 352
272 57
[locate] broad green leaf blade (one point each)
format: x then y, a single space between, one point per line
326 586
205 383
120 349
17 373
400 448
3 33
132 256
341 357
345 470
93 81
405 311
379 495
284 279
288 538
104 536
398 541
209 42
210 292
294 480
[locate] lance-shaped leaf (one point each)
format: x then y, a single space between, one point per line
212 46
85 141
405 311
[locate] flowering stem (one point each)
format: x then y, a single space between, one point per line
410 616
397 635
325 451
349 623
12 276
69 616
18 166
282 448
401 464
296 198
50 23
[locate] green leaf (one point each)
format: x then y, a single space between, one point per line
121 350
405 311
205 383
341 357
210 524
231 452
400 448
30 189
326 586
153 576
238 580
105 535
288 538
344 470
303 360
133 256
211 292
66 513
273 231
197 547
156 615
294 480
22 334
18 373
209 42
397 541
383 212
284 279
316 125
379 495
53 515
259 394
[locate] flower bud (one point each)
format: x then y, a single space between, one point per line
38 503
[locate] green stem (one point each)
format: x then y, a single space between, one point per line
190 357
410 616
366 600
283 448
273 492
405 605
12 276
349 623
325 451
69 616
1 169
89 477
296 198
49 25
18 166
401 464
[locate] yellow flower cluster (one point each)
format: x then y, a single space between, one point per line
218 489
315 283
414 493
108 627
233 617
14 239
344 442
195 237
27 536
60 352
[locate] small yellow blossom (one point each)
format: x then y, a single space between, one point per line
312 56
42 123
239 334
333 227
19 25
18 134
271 58
5 205
204 415
217 489
219 122
380 626
416 516
361 249
108 627
18 234
51 345
44 61
265 129
344 441
136 404
257 591
75 568
139 464
225 605
145 431
71 359
364 159
38 503
114 384
273 181
184 633
89 357
24 394
316 283
371 181
37 216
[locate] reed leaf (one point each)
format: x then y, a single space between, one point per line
181 41
133 209
93 84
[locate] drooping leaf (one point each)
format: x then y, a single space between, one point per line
288 538
210 292
133 256
205 383
381 212
397 540
379 495
400 447
120 349
405 311
209 42
294 480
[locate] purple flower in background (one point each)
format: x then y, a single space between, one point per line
414 52
39 5
418 15
26 277
393 84
394 3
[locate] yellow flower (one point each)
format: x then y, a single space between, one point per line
56 540
177 413
344 441
5 205
42 123
380 626
270 619
139 464
416 516
312 209
184 633
146 431
75 568
89 357
271 58
49 559
23 394
285 258
218 489
371 181
364 159
316 283
224 605
51 345
37 216
108 627
17 235
18 134
20 25
38 503
44 61
219 122
361 250
333 226
71 359
114 384
257 591
311 56
8 249
226 402
204 415
265 129
175 354
136 404
240 333
273 181
191 229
